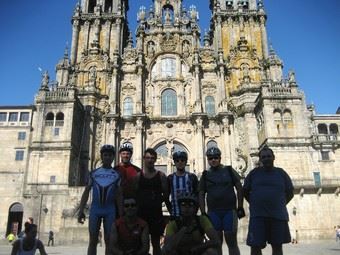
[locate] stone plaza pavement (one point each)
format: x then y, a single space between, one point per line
324 247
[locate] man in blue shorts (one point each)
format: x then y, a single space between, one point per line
268 189
224 207
106 194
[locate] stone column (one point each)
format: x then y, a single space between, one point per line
107 36
264 37
222 91
86 35
181 107
232 144
198 99
219 32
113 91
226 139
75 38
138 148
139 87
199 144
96 30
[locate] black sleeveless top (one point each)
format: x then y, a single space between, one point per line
149 196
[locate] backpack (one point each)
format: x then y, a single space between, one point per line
205 180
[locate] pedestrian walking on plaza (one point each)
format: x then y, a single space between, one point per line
126 169
130 234
186 235
268 190
152 190
181 182
50 238
29 244
224 206
106 196
337 233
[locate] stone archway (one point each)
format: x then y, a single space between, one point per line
15 216
164 155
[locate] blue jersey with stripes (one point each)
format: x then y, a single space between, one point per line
104 182
179 186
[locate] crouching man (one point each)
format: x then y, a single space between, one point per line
186 235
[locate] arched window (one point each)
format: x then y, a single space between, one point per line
210 105
128 106
277 115
92 4
162 157
322 129
59 119
169 103
49 120
287 117
333 129
168 67
108 6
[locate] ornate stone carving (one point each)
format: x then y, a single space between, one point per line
169 42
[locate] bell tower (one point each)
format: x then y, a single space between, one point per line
238 30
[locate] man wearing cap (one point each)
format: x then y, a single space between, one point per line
126 169
224 207
181 182
106 194
186 235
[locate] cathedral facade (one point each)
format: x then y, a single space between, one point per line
174 88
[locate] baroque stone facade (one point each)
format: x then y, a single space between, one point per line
168 91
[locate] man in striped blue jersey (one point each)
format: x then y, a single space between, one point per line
181 182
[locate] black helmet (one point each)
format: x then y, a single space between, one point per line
188 197
180 155
126 147
213 151
107 147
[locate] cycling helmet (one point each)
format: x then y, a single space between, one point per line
188 197
213 151
107 148
179 155
126 147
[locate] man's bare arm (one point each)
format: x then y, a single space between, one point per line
114 249
145 242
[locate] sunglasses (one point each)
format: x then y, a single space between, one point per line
215 158
130 205
181 160
191 204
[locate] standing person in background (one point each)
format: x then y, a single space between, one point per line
126 169
50 238
181 182
106 196
152 190
337 233
29 244
224 206
268 190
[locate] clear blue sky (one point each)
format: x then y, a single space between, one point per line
304 33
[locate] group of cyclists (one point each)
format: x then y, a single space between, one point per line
128 201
